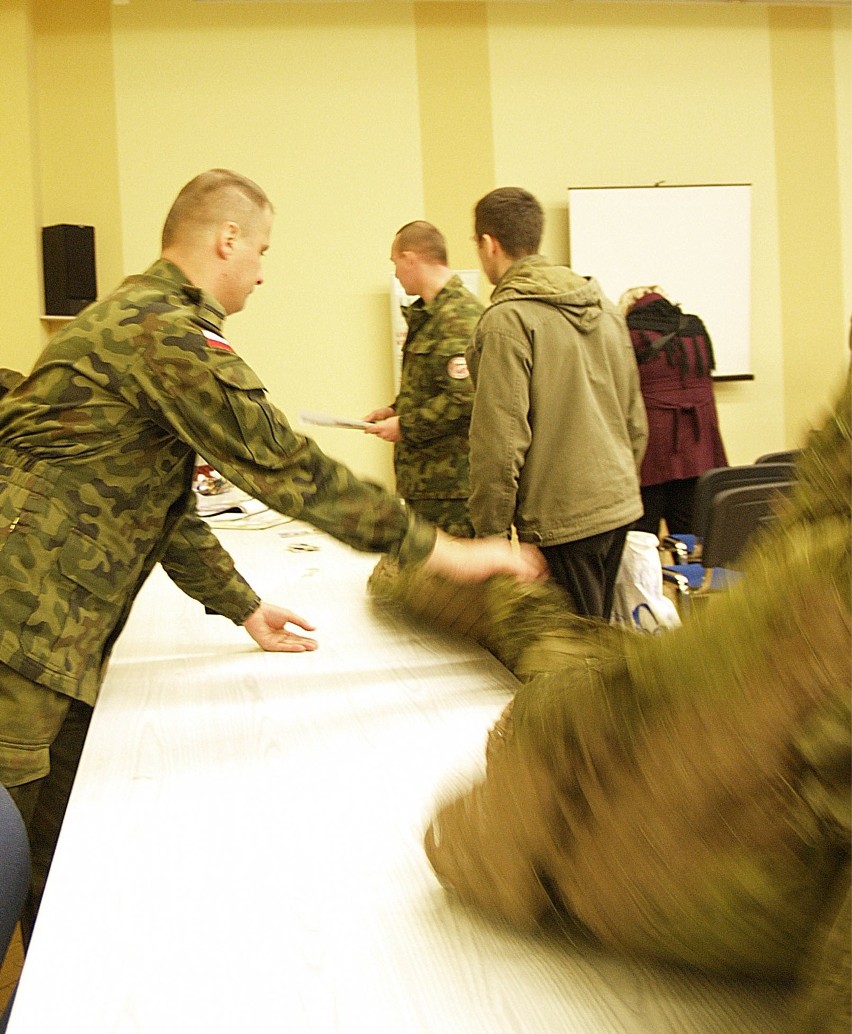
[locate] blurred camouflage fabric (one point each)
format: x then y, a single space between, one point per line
451 515
684 796
9 379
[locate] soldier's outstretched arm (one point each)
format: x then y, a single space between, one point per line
200 566
198 563
474 560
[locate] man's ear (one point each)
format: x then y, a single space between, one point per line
490 244
226 238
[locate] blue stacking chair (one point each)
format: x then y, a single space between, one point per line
726 523
685 546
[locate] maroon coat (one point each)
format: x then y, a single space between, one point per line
683 425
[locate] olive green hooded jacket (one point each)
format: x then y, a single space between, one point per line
558 428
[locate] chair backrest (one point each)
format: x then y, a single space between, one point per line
718 479
735 515
789 456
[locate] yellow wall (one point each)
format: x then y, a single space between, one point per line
843 111
58 158
75 120
809 206
20 259
455 120
320 106
357 117
687 94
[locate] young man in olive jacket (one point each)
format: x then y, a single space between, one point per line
558 428
97 449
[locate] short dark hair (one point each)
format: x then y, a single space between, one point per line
211 197
513 217
424 239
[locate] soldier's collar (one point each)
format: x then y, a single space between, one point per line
205 304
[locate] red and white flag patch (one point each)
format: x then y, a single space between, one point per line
216 341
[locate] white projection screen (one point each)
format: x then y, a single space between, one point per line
693 241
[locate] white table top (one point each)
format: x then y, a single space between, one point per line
242 851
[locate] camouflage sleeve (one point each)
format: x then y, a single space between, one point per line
200 566
217 404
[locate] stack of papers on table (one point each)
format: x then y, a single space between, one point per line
233 508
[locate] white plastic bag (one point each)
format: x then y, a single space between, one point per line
639 600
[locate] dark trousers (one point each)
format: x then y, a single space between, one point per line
672 502
587 570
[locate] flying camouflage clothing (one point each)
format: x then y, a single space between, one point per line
683 796
97 448
9 379
433 406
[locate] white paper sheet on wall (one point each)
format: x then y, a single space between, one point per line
693 241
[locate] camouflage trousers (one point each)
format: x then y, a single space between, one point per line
451 515
41 738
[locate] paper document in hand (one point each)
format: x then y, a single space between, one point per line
327 420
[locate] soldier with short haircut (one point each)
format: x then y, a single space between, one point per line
429 419
97 450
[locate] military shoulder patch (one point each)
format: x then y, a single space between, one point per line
457 368
216 340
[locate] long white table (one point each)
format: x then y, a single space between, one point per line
242 851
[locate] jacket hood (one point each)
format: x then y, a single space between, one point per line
534 278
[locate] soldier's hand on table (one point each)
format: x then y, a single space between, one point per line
474 560
267 626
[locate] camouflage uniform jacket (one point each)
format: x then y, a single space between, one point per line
97 447
434 402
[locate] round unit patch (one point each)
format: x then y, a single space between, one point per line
457 368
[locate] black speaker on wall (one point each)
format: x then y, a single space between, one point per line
68 254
